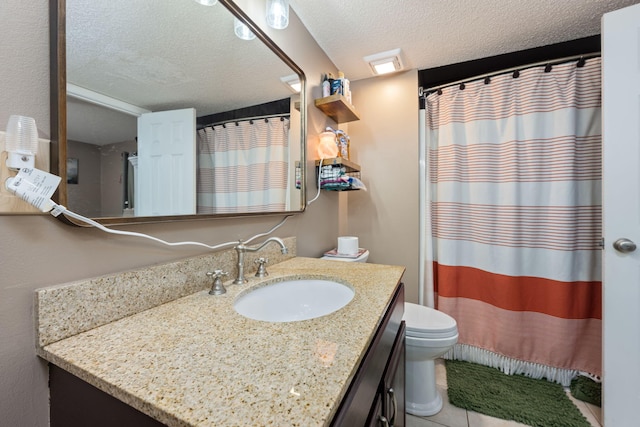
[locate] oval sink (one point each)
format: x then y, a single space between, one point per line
294 300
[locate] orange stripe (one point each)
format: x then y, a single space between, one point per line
569 300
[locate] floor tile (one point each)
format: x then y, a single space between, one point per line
413 421
586 410
450 416
480 420
596 411
441 373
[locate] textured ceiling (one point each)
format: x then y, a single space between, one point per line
165 54
432 33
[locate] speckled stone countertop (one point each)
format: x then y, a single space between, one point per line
196 362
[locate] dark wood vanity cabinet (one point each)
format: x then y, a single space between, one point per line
376 394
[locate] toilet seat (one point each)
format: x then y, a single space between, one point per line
428 323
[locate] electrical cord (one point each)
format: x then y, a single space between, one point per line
319 176
33 189
59 209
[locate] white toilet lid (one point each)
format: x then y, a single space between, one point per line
425 322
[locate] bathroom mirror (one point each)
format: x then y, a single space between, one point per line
129 77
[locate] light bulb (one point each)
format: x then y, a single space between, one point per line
21 142
278 14
207 2
242 31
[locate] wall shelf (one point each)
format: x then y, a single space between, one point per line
333 172
338 108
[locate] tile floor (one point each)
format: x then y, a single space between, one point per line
452 416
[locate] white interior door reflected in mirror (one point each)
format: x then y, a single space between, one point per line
166 172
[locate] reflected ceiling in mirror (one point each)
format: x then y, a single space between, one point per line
150 56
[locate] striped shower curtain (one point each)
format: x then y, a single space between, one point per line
514 170
243 166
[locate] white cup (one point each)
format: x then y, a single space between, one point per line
348 245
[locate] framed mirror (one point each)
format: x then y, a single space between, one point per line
161 112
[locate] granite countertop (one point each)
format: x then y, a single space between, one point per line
196 362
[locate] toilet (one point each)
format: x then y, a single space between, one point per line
429 334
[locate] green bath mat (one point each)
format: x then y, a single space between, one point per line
538 403
587 390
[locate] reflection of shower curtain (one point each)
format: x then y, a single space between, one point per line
515 180
242 166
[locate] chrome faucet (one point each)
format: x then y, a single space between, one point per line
241 248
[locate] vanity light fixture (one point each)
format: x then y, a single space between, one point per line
242 31
207 2
385 62
278 14
21 142
96 98
292 82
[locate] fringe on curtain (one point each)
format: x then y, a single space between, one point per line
510 366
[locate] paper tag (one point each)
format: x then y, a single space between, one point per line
34 187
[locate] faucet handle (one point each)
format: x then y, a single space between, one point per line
217 288
262 267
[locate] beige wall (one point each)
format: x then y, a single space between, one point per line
385 144
112 164
84 197
38 251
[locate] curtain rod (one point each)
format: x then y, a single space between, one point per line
245 119
425 92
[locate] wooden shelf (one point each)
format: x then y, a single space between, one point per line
349 165
338 108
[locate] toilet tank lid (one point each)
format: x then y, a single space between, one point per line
359 258
419 318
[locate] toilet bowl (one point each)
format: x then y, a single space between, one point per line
430 334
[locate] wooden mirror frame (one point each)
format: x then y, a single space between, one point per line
58 113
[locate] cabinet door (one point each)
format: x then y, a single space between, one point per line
376 418
76 403
394 383
358 404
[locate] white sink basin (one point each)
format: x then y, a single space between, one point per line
294 300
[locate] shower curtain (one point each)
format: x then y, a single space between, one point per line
514 180
243 166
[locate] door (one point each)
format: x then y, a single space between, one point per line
621 216
166 180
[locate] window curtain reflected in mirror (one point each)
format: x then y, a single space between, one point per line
243 166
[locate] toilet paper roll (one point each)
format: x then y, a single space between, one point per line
347 245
